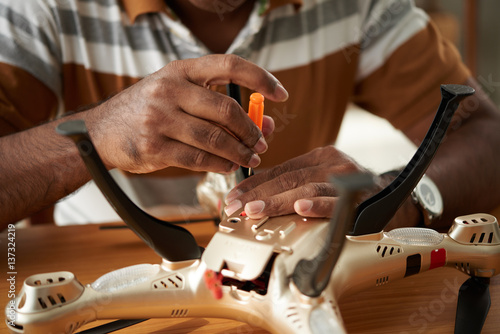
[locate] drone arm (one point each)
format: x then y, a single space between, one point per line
373 260
137 292
169 241
312 276
374 213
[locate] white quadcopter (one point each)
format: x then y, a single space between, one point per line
284 271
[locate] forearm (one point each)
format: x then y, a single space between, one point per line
38 168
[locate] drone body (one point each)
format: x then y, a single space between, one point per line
259 291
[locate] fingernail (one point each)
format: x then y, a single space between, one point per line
261 146
303 205
254 161
281 92
233 207
233 194
255 207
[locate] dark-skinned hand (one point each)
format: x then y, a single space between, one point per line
300 185
171 118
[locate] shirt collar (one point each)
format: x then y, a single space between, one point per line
136 8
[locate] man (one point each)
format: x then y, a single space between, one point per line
383 55
39 167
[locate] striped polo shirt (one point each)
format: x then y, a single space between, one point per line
385 55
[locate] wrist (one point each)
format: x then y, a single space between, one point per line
96 128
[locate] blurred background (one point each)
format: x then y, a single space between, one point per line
472 25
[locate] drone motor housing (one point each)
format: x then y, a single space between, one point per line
475 230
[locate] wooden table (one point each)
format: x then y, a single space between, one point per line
422 303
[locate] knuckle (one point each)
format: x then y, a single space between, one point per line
230 62
215 137
276 171
227 110
150 89
157 89
242 154
287 181
227 167
319 189
133 151
198 159
146 147
302 176
230 113
325 151
328 151
279 205
175 66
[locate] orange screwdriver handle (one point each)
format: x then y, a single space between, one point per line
256 109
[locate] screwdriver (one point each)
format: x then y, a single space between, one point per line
256 113
233 90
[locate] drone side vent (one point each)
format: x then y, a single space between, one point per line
49 280
385 250
481 238
179 313
334 307
51 301
293 316
73 326
465 267
171 282
382 281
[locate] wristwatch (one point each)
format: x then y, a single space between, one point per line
427 198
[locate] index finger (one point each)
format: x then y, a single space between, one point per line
224 69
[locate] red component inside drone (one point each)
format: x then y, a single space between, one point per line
438 258
213 281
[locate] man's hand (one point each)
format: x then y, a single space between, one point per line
171 118
299 185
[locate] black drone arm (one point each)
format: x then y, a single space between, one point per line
374 213
171 242
312 276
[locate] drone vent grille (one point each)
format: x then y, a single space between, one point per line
465 267
293 317
50 301
388 250
382 281
74 326
49 280
334 307
175 281
481 238
179 313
